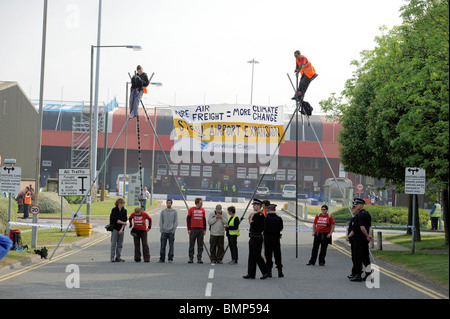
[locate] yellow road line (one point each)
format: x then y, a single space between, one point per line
48 261
427 291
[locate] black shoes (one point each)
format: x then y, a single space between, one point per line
266 276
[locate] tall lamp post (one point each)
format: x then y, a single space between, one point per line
253 62
94 116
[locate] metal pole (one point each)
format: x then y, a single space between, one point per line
125 146
95 119
39 140
105 150
253 68
91 82
153 159
413 224
251 92
296 182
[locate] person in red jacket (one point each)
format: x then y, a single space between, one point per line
323 228
196 225
139 232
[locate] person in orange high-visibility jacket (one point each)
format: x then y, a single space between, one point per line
139 83
307 73
26 203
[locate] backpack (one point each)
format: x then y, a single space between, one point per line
43 252
16 239
306 108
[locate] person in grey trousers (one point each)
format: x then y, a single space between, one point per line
168 223
217 223
118 218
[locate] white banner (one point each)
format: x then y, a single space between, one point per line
227 128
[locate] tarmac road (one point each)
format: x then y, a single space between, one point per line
99 278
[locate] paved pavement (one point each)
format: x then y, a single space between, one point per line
88 261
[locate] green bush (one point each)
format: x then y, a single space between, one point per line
50 203
385 215
73 199
4 212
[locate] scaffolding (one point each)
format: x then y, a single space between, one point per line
81 135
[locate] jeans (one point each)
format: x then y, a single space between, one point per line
162 252
116 243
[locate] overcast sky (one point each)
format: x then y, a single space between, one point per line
198 49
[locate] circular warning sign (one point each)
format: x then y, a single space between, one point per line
35 209
359 189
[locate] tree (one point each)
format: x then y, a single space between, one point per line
395 112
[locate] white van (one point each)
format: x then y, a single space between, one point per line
289 191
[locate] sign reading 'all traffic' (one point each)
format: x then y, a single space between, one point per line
74 182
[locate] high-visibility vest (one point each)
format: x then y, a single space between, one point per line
308 69
231 223
437 210
27 198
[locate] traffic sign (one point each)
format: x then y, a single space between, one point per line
35 209
359 188
414 180
74 182
10 179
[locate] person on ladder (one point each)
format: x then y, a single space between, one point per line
307 73
139 83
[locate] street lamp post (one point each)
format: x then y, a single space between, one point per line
93 127
253 62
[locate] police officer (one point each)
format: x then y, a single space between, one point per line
272 235
350 239
255 243
361 230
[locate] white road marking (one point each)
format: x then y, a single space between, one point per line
208 289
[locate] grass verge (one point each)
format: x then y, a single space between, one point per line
430 259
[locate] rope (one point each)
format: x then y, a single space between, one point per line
141 197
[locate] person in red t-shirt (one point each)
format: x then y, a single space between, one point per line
139 232
323 228
196 226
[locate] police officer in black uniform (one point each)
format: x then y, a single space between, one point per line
361 230
255 243
350 239
272 235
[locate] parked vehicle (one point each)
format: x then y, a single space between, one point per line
289 191
262 191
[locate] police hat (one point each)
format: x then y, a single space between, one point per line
257 201
358 201
272 206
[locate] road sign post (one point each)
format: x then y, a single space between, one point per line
415 185
10 177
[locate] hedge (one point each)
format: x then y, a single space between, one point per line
384 215
4 212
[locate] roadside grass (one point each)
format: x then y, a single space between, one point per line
430 259
103 209
49 237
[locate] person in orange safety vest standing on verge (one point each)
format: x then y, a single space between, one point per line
26 203
307 73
